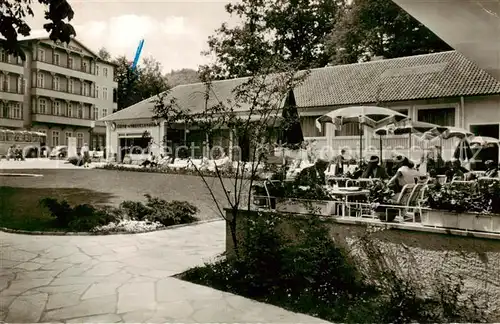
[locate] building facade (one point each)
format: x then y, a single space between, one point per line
444 88
60 90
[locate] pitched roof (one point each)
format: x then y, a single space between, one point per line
437 75
189 97
446 74
47 38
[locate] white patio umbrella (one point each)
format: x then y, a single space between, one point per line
371 116
484 140
456 132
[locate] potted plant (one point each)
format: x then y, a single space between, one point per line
380 199
464 206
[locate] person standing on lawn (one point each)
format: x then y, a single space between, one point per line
85 155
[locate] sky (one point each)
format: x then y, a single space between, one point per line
174 32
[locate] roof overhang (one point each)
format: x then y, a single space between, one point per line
471 27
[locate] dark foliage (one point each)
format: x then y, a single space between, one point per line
80 218
310 274
481 196
370 28
183 171
158 210
13 22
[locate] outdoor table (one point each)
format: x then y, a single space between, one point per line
345 194
341 181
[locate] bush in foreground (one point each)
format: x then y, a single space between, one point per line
159 210
131 216
311 275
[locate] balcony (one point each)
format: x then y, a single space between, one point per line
62 95
11 67
74 73
11 123
12 95
62 120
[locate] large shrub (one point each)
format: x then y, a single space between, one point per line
159 210
80 218
307 272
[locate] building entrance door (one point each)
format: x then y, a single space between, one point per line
491 152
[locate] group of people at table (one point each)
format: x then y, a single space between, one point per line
399 171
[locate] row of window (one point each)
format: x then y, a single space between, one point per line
56 60
5 84
11 110
69 110
56 139
56 85
6 58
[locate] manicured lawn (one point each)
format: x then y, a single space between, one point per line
20 208
127 185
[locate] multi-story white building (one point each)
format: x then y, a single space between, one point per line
61 90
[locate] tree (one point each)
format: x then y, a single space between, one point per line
136 85
183 76
260 96
370 28
13 22
104 54
296 30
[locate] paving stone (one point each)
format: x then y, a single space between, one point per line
136 296
75 258
26 308
5 280
42 260
43 274
106 318
76 270
18 287
13 254
175 310
104 269
101 289
76 289
56 265
29 266
9 264
89 307
61 300
63 281
138 316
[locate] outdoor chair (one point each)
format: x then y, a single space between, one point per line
442 179
360 182
413 205
459 180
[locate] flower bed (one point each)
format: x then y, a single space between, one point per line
128 226
186 170
474 206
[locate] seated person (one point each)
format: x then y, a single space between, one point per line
360 169
313 175
164 160
456 171
150 160
433 181
339 162
491 169
405 174
374 169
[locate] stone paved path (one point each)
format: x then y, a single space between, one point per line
121 278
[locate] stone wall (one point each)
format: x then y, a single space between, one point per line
415 252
